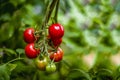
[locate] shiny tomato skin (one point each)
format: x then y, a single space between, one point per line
57 56
56 31
29 35
57 42
30 51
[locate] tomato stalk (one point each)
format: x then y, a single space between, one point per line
15 60
56 11
49 11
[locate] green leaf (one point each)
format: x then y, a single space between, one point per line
16 2
77 74
5 17
91 38
46 1
9 51
115 34
20 51
104 72
11 66
6 31
5 71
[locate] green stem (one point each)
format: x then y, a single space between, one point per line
14 60
48 13
56 12
85 74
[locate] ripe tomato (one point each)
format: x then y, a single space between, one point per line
30 51
57 42
51 68
56 31
29 35
54 42
57 56
41 64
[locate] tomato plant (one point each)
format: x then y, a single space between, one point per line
91 41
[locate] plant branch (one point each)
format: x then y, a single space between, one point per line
48 13
14 60
56 11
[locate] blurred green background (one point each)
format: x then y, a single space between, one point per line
91 42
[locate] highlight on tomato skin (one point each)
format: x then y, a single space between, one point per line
57 56
56 31
29 35
30 51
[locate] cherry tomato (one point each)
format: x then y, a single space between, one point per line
57 42
57 56
30 51
51 68
29 35
41 64
54 42
56 31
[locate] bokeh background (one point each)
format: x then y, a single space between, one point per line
91 42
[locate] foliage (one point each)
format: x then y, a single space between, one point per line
91 28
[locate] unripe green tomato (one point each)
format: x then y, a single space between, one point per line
51 68
41 64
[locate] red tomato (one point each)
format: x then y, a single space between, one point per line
57 56
30 51
56 31
57 42
29 35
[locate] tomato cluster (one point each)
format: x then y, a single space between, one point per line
44 60
29 38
